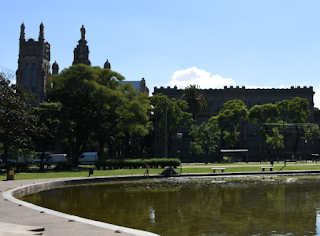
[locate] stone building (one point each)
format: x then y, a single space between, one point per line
249 133
34 63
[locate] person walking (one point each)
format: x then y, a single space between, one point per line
41 164
49 163
147 169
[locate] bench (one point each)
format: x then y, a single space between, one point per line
290 160
266 167
214 169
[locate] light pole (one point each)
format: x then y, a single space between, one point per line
179 137
205 146
257 106
284 148
306 142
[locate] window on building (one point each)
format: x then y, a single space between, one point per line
220 105
252 104
216 108
34 75
251 127
249 105
26 77
251 144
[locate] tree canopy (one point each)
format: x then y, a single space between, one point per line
97 106
205 138
16 123
229 120
195 99
177 117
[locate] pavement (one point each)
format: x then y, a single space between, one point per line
21 218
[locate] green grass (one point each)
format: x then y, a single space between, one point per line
186 168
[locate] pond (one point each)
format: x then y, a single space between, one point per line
183 207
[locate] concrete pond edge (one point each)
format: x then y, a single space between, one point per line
13 195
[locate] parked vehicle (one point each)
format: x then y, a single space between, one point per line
37 157
88 158
56 158
21 160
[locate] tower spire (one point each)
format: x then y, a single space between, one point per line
22 34
41 33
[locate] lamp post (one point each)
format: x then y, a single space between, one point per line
179 137
306 142
205 146
259 128
284 148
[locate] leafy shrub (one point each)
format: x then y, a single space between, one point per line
63 166
137 163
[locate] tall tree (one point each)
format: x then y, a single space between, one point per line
97 106
229 120
298 111
311 132
16 122
176 116
205 138
50 128
266 116
195 98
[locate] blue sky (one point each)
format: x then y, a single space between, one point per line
261 43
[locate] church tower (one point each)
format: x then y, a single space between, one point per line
34 64
81 52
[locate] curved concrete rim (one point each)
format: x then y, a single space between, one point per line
32 188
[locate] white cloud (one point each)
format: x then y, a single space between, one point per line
316 98
281 86
193 75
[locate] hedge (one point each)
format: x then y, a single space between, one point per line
136 163
14 166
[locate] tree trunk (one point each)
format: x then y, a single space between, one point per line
101 146
295 146
5 152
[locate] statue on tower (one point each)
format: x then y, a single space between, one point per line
83 32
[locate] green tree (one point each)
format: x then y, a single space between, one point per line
97 107
50 129
195 98
176 116
298 111
16 122
229 120
267 118
276 140
205 138
311 132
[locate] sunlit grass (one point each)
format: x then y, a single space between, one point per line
186 168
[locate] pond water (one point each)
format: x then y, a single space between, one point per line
183 207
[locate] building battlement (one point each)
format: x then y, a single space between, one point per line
236 88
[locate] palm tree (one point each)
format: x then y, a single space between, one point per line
195 99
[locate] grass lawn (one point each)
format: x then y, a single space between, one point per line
186 168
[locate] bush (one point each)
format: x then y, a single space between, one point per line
137 163
63 166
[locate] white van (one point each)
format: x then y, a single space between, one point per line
56 158
88 158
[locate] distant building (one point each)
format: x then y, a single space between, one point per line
34 64
249 133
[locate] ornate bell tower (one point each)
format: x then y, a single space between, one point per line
34 64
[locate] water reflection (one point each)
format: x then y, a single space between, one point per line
196 207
